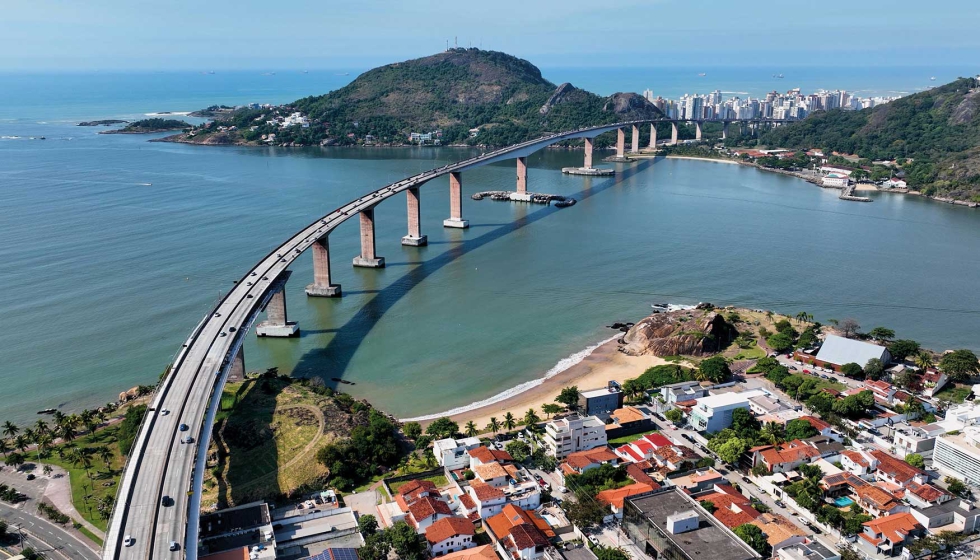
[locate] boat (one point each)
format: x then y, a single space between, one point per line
702 74
344 381
778 76
932 79
47 411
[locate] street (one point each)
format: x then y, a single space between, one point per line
44 536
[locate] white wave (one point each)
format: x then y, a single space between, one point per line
10 137
561 366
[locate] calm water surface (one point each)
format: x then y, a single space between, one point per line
114 248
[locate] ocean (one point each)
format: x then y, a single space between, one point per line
115 247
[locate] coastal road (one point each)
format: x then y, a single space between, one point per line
159 497
46 537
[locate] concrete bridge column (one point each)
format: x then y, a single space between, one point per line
276 323
635 140
673 134
588 154
456 203
522 175
697 130
414 237
237 370
620 142
321 286
653 135
724 131
368 258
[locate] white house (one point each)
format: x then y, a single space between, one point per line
450 534
573 433
714 413
836 181
453 453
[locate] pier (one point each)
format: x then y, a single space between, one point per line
517 196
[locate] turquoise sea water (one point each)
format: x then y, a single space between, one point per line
115 247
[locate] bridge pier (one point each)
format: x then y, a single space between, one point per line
321 286
522 175
620 142
368 258
237 370
653 135
635 140
276 323
455 203
697 130
673 133
724 131
414 237
588 154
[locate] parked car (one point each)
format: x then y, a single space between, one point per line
780 504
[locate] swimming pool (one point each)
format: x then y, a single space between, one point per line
843 501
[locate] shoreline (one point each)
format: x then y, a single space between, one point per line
589 368
718 160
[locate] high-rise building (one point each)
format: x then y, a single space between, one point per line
648 94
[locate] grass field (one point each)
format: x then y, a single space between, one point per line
626 439
89 486
439 480
269 432
954 394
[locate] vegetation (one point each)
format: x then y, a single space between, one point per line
442 428
755 538
369 449
713 369
957 487
569 397
400 538
915 460
799 429
959 365
901 349
154 125
935 133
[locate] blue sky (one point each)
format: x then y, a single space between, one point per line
230 34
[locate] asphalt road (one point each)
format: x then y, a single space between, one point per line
44 536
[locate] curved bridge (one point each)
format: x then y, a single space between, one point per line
159 498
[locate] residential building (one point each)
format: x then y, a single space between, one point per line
675 458
731 507
925 495
683 391
786 456
823 428
837 351
907 438
714 413
958 455
614 498
836 181
452 453
810 550
954 515
857 462
450 534
668 523
581 461
896 471
482 455
629 420
601 401
889 535
420 505
780 532
642 449
573 433
699 480
519 534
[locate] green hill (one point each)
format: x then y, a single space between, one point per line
451 92
937 130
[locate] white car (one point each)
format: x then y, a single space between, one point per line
129 540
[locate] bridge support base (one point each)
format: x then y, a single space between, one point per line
333 290
288 330
456 223
375 262
411 241
276 324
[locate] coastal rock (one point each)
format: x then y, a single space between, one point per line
560 95
687 332
129 395
105 122
632 105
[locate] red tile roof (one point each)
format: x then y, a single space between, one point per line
896 528
817 423
527 536
582 459
615 497
895 468
926 492
416 487
629 452
731 508
790 452
856 457
486 492
467 502
486 455
658 440
636 473
448 528
426 507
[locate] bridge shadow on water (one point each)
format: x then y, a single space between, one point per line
333 359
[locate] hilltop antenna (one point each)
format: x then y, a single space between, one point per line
456 42
447 45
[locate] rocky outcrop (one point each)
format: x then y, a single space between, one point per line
632 106
560 94
680 333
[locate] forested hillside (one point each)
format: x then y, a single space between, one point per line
935 133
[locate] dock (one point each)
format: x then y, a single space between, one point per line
533 198
588 171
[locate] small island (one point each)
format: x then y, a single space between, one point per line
146 126
105 122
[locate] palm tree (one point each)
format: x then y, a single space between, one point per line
769 316
42 427
43 442
67 431
471 428
551 408
106 454
21 442
801 317
509 421
774 433
47 470
10 429
531 418
494 425
4 446
923 360
58 418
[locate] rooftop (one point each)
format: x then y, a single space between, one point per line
616 496
447 528
710 540
488 471
484 552
728 399
838 350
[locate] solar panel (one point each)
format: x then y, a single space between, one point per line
335 554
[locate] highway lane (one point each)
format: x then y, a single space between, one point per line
44 535
162 466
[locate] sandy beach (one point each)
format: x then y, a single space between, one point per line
605 363
728 161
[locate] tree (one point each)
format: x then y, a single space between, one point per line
881 334
14 460
822 403
519 450
406 542
923 360
412 430
585 512
708 506
609 553
509 421
715 369
442 428
959 365
632 388
915 460
471 428
551 409
531 418
10 429
774 433
743 420
755 538
901 349
674 415
848 327
799 429
376 547
874 369
731 450
569 397
779 342
493 425
367 525
956 486
852 370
